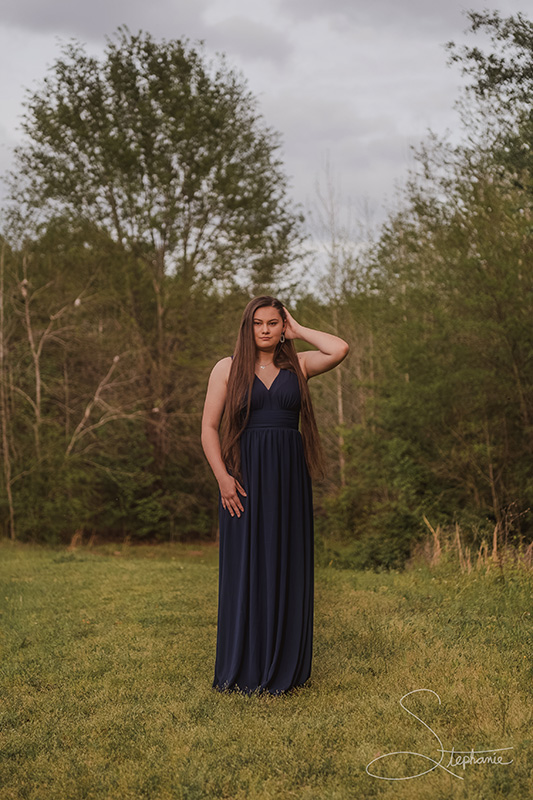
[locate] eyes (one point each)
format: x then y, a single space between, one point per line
272 323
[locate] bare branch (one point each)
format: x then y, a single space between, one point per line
25 396
108 418
112 414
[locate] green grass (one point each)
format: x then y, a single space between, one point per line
106 665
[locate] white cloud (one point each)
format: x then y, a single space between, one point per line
407 16
249 39
359 80
94 19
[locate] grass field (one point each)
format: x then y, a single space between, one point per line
107 659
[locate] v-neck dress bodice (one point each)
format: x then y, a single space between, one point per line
266 557
277 406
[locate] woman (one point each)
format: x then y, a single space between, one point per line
262 464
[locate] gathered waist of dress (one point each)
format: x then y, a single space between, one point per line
269 418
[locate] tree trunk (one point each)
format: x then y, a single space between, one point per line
340 409
3 406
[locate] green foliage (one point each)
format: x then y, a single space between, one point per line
148 193
164 151
505 72
446 370
163 207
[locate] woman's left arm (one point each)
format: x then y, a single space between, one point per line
331 349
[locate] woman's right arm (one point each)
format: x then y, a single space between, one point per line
213 409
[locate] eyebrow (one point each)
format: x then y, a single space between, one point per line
274 319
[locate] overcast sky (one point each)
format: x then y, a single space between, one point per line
354 81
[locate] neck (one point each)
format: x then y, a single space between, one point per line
264 358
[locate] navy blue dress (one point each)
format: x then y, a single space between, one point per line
266 557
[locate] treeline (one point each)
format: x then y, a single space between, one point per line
145 212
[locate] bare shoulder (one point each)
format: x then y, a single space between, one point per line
215 397
220 371
303 366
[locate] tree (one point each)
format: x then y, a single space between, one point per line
163 150
339 239
453 284
496 106
152 169
504 74
4 412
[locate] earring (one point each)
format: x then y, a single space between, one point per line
282 337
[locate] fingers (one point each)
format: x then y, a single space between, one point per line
233 504
290 318
239 487
234 509
290 327
229 496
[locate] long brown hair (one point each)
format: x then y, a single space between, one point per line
239 392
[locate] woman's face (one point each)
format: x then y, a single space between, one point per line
268 327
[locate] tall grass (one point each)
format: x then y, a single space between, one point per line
447 545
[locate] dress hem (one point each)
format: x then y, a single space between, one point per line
259 691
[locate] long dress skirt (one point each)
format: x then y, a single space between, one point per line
266 556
